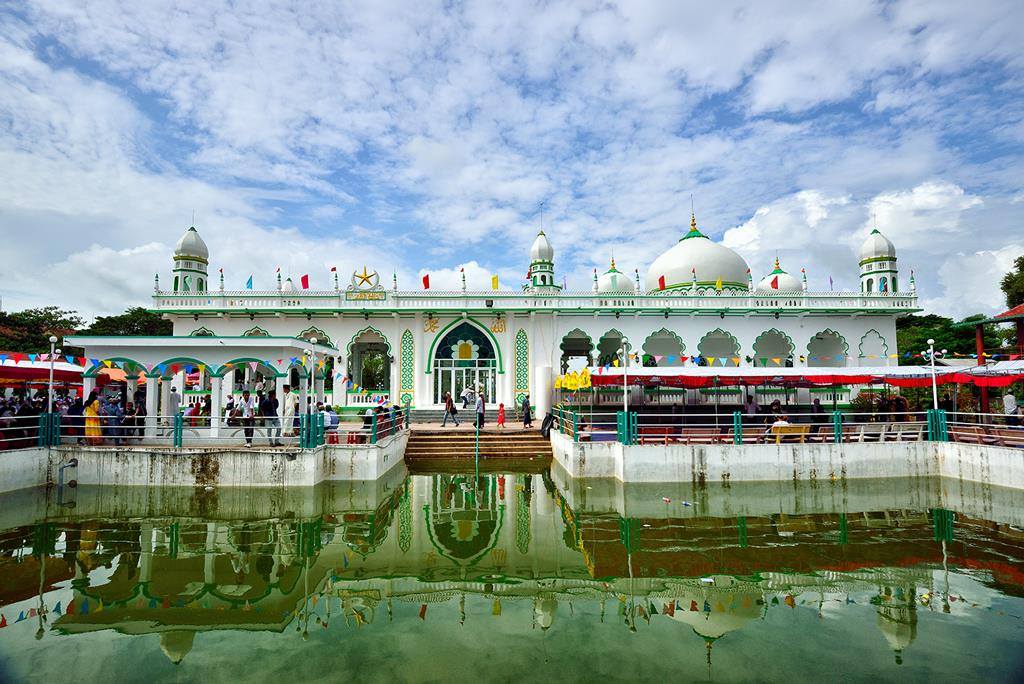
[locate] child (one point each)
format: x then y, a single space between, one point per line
501 415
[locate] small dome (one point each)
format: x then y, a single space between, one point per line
695 254
176 645
191 245
779 281
614 280
877 245
288 286
542 249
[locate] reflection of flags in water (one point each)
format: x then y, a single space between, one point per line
423 611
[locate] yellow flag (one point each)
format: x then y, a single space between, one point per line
777 360
494 282
615 362
735 360
558 382
711 360
718 284
585 379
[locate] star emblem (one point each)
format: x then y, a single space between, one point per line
365 277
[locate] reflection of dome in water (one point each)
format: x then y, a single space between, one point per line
716 611
544 612
898 624
176 645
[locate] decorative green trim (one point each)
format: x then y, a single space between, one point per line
202 331
320 335
93 371
177 360
256 331
873 260
789 341
241 362
522 366
860 345
827 331
407 368
429 365
735 342
678 339
369 328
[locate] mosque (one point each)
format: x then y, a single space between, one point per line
698 304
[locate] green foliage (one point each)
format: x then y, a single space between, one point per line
1012 284
29 330
134 321
375 370
913 333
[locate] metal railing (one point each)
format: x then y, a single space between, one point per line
993 429
25 431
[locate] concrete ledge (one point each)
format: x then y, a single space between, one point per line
725 463
232 467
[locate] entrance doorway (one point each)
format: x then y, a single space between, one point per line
464 358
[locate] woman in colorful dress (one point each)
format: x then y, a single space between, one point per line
91 411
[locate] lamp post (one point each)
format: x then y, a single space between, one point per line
935 386
310 386
625 374
49 392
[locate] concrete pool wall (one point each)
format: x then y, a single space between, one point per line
707 463
197 467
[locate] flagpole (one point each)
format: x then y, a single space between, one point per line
49 392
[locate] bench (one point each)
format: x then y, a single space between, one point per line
700 436
968 434
790 433
655 434
748 435
905 432
1007 437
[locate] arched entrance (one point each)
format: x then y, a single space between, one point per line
370 360
463 358
575 345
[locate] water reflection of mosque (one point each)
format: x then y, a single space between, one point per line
501 538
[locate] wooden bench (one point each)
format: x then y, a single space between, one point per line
968 434
700 436
1007 437
656 434
905 432
797 433
748 435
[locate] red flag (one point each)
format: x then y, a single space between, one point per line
529 273
304 280
661 282
334 269
426 282
775 283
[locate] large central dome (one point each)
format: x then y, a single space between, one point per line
696 255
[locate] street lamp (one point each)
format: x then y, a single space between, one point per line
309 377
625 374
931 358
49 393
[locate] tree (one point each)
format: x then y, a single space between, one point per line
1012 284
134 321
913 333
29 331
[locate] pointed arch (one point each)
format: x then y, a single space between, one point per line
256 331
872 345
241 362
720 344
202 331
367 329
575 344
827 349
429 361
93 371
771 345
313 331
666 344
608 345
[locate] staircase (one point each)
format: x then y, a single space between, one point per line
461 444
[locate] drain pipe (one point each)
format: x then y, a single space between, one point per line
72 463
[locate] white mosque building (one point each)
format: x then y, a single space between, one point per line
699 303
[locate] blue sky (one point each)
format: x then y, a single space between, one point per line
423 137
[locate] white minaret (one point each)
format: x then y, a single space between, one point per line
191 259
878 272
542 265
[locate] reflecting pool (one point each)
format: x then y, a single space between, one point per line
514 576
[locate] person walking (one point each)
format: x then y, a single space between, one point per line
173 404
268 409
288 411
247 413
527 415
501 415
450 410
466 396
480 411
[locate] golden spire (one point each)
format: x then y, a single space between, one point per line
613 263
693 220
777 266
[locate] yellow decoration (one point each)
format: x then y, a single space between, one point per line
585 382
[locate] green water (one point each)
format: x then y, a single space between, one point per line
514 577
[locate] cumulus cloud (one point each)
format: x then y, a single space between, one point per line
418 136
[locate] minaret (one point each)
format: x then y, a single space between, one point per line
803 279
878 271
191 258
542 266
595 280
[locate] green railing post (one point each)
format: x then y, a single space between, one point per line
633 428
837 427
373 433
408 415
575 427
43 436
179 430
321 432
55 432
620 426
938 430
737 427
303 431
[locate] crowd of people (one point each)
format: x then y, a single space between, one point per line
479 402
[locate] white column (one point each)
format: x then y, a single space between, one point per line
541 397
279 382
228 383
318 386
88 385
216 399
152 405
303 393
340 384
396 375
508 386
132 385
165 396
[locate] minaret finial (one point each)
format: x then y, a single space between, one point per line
156 281
193 224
